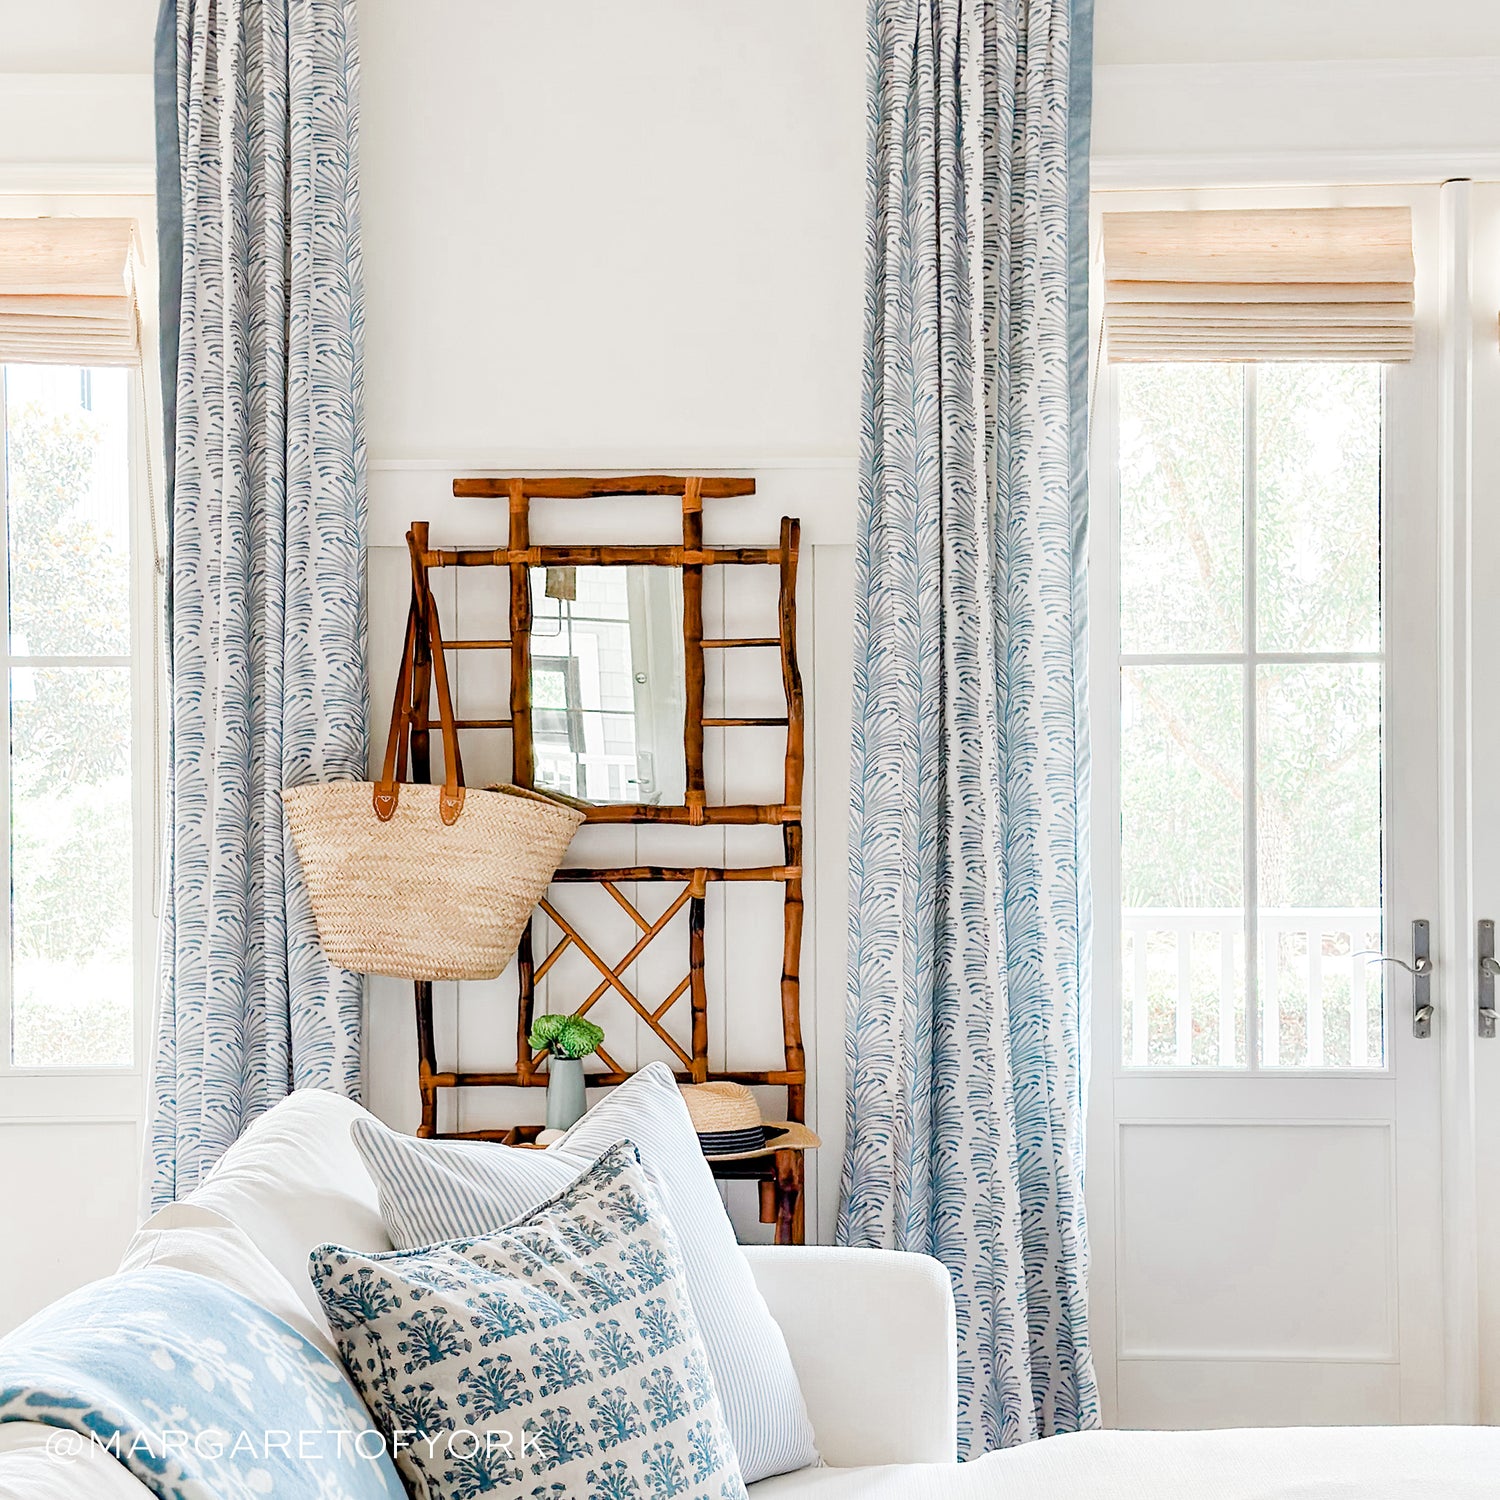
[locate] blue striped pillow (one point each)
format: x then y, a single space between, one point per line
432 1191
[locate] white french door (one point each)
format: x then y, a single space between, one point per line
1265 1166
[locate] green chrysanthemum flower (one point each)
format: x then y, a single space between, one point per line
566 1036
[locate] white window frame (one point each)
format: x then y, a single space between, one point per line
104 1094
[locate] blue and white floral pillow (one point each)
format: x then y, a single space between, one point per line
556 1359
197 1391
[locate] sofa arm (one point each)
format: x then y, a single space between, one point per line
872 1338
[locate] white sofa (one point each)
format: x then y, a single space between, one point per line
870 1333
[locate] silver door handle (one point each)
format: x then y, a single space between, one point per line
1420 969
1488 968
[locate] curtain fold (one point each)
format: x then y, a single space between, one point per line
262 350
969 928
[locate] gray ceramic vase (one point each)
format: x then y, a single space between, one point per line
565 1097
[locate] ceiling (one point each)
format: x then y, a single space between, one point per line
1206 31
76 36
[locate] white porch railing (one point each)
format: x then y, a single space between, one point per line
1184 987
604 778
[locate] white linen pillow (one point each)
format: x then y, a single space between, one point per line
188 1237
432 1191
294 1180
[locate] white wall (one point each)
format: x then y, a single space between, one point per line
611 238
1337 121
610 229
1218 31
77 36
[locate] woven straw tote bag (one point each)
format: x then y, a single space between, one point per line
425 882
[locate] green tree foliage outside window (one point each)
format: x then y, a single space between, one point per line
71 878
1316 456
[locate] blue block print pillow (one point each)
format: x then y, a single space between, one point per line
555 1359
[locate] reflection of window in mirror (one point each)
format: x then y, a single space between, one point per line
607 683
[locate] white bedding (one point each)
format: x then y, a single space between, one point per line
1290 1463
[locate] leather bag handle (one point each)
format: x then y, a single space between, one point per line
451 803
388 788
421 616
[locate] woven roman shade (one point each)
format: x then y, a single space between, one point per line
67 292
1258 284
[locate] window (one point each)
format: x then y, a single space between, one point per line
66 770
1251 684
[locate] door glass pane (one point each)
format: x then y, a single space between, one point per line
1319 863
1318 507
1182 865
68 499
1181 482
1200 448
70 848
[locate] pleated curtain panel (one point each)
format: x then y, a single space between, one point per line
969 917
261 314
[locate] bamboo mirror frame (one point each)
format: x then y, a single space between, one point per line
780 1176
691 556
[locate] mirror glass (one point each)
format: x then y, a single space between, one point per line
607 683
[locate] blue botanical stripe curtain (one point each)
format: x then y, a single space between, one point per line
261 312
969 916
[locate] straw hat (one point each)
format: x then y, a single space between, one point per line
730 1128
